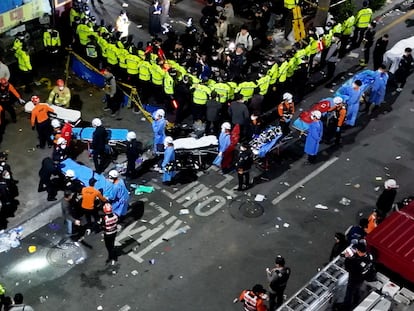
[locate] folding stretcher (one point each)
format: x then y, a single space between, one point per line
71 115
84 173
115 136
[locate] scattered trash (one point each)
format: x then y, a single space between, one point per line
54 226
235 300
143 119
320 206
303 198
43 299
99 308
184 211
357 186
124 5
336 210
143 189
386 168
378 178
277 226
347 159
397 157
259 198
134 272
220 267
170 277
80 260
152 261
278 218
188 198
70 262
113 272
133 185
32 249
286 225
348 184
286 184
361 214
182 230
345 201
181 276
20 130
217 200
10 239
377 188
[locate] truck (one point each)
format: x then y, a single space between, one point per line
392 245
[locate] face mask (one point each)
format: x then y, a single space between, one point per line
6 176
61 88
63 147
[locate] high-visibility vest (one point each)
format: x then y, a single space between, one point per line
283 71
194 79
327 39
84 31
122 54
72 14
132 62
337 28
210 83
141 54
157 74
233 87
112 54
263 84
363 18
312 47
2 290
290 4
144 68
348 26
23 60
291 67
17 44
51 38
246 89
223 91
168 84
103 44
201 94
91 51
273 73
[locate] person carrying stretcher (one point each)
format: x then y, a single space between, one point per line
286 109
336 121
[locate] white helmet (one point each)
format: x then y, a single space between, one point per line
113 174
55 123
390 184
70 173
168 140
226 126
131 135
337 100
61 141
160 113
96 122
287 96
316 114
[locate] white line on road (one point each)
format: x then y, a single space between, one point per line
316 172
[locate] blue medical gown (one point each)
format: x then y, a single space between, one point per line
352 98
315 133
378 88
158 128
119 196
169 156
224 143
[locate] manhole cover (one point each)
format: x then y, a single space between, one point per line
65 254
251 209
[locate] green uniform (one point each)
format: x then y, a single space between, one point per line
23 60
363 18
246 89
348 26
263 84
51 39
201 94
132 62
144 71
223 90
168 84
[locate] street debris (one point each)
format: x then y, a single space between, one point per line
10 239
378 178
348 184
357 186
397 157
345 201
99 308
184 211
152 261
259 198
377 188
32 249
43 299
286 225
70 262
320 206
336 210
229 197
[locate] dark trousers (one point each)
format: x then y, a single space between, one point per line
285 127
276 299
344 43
198 112
99 159
8 106
311 158
130 171
367 50
332 133
358 37
244 179
44 130
331 66
110 246
352 295
212 127
378 59
89 215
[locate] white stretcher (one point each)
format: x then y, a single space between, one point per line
194 143
71 115
392 56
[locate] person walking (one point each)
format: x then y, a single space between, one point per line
168 162
314 137
122 25
378 89
25 67
213 114
243 165
158 128
99 141
277 277
285 110
119 195
239 114
387 196
253 299
352 95
109 224
362 21
379 51
69 211
155 11
41 122
405 66
133 150
336 121
368 42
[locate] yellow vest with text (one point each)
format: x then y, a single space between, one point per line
51 38
201 94
246 89
144 70
263 84
223 90
132 62
168 84
363 18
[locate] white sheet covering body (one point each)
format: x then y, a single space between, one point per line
62 113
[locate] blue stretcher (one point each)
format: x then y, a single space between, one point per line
114 135
84 173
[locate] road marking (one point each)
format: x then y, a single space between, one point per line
292 189
384 29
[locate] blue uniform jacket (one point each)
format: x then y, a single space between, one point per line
158 127
119 197
169 156
314 137
378 88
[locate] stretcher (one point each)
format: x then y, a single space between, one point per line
71 115
393 56
266 141
84 173
115 136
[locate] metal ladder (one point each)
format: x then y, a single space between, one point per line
317 293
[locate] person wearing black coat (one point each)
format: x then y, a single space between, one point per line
405 67
213 113
99 142
46 172
239 114
134 149
243 165
340 245
387 197
379 51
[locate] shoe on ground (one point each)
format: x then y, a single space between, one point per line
40 147
399 89
88 231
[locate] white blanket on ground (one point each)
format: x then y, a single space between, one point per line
62 113
194 143
393 55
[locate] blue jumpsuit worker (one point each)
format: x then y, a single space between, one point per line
158 128
351 94
168 161
378 88
119 195
224 142
314 136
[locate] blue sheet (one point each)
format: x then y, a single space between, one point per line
300 125
87 134
264 149
84 173
367 78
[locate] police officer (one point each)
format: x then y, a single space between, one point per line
362 21
109 224
25 66
41 121
278 277
253 300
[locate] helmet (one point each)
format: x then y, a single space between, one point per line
131 135
70 173
61 141
279 260
168 140
226 126
96 122
287 96
160 113
113 174
107 208
337 100
35 99
60 82
316 114
4 82
55 123
390 184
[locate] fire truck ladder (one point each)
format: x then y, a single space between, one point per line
317 293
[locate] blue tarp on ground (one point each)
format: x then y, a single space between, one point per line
85 73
